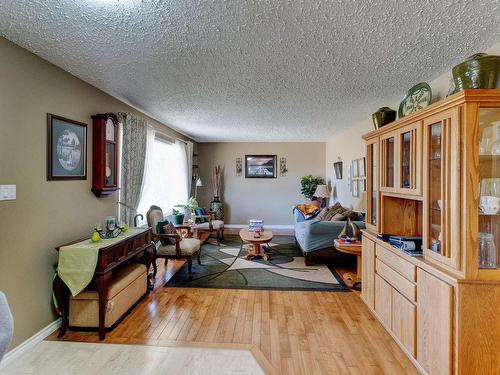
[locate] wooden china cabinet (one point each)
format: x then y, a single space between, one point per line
104 154
436 174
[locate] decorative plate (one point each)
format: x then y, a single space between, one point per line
418 97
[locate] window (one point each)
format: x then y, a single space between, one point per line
166 177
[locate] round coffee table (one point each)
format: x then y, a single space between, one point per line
265 237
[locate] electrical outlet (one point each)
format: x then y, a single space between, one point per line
7 192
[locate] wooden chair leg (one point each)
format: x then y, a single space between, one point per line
155 268
190 267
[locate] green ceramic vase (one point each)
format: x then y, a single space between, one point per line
383 116
480 71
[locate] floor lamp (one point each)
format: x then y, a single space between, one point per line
198 183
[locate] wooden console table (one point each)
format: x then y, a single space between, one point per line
109 258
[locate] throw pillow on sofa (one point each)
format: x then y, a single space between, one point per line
321 216
338 217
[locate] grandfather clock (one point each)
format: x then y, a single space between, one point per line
104 154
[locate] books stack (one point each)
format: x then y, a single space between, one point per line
410 245
255 224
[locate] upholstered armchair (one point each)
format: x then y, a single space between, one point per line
206 222
171 245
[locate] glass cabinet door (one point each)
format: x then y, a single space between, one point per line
441 223
489 189
434 188
410 161
372 188
388 163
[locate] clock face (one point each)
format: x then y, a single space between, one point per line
418 97
110 130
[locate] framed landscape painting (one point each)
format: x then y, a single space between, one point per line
66 149
260 166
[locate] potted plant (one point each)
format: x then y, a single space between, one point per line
308 187
177 217
183 210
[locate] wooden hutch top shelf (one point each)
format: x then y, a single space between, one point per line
479 95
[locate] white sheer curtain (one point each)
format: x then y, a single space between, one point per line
166 178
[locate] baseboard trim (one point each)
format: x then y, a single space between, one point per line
23 347
270 227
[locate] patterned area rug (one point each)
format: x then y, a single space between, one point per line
224 266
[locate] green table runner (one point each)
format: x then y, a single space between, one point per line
77 262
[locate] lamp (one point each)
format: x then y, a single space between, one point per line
198 183
322 193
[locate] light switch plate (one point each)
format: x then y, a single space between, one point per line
7 192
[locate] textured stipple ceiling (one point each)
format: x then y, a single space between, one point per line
248 70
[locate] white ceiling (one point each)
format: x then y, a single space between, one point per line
236 70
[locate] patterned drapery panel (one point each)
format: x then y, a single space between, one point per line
189 155
134 152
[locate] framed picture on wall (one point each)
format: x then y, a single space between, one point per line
66 149
354 168
260 166
337 167
361 167
355 188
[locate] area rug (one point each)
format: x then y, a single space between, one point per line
224 266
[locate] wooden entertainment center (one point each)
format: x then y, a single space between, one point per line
425 175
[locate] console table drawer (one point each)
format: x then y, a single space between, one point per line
402 285
398 264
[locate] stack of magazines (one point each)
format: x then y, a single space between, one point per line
410 245
255 224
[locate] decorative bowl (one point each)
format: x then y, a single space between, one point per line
490 205
479 71
417 97
383 116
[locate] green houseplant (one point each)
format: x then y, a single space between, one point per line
309 185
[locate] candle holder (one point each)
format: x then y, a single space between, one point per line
110 232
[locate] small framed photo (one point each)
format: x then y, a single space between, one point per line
260 166
362 185
337 167
361 167
355 188
354 167
66 149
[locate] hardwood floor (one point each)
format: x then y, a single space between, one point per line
298 332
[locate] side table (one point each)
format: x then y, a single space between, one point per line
355 249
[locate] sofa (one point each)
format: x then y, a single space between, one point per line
315 237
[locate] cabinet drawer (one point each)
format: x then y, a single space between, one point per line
398 264
402 285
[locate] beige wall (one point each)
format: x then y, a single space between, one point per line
268 199
45 214
348 145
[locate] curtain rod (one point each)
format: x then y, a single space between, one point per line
166 136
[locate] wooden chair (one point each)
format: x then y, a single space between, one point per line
184 248
211 225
